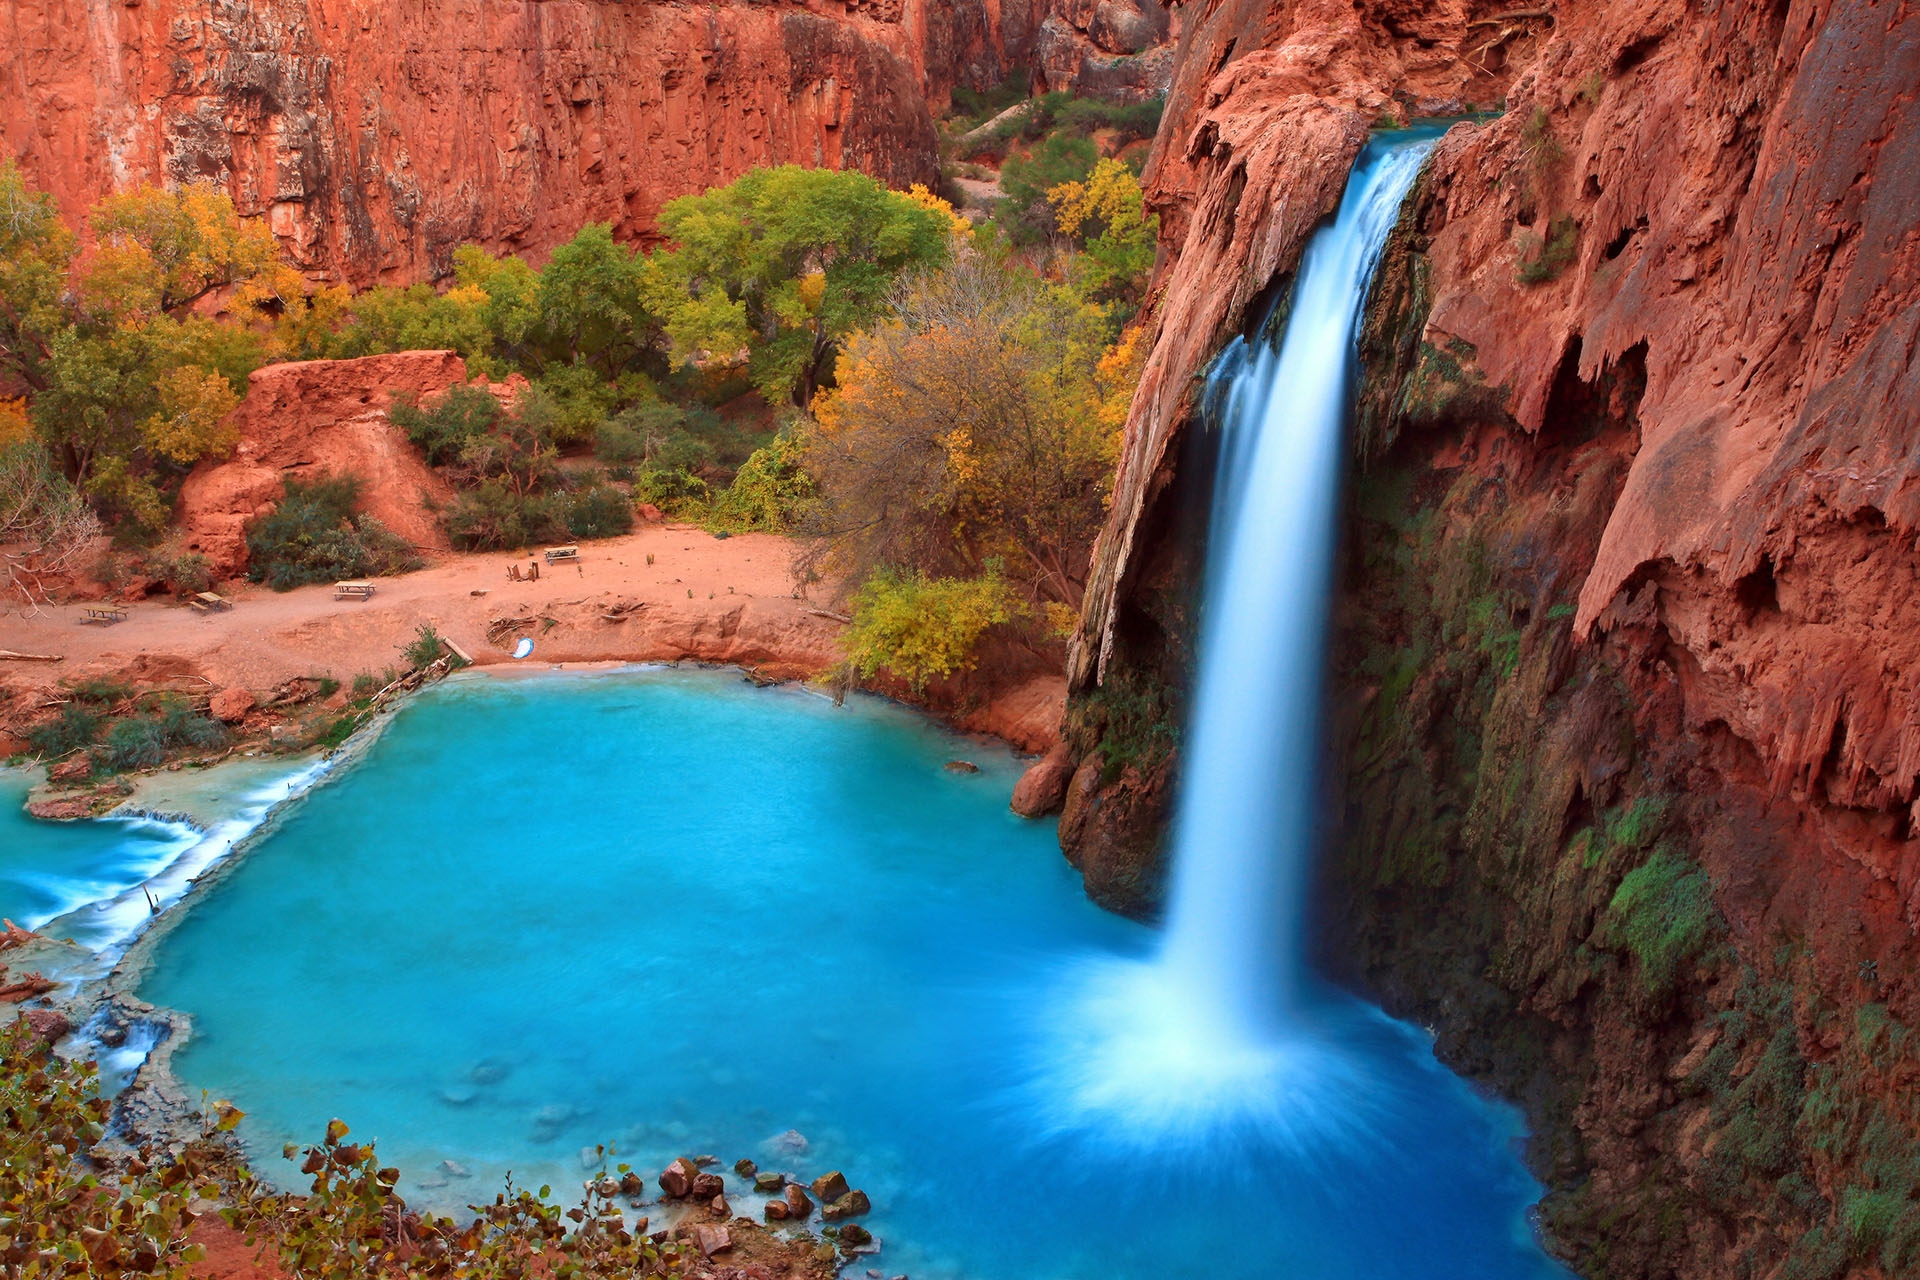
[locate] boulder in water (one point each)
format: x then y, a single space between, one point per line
708 1185
631 1184
777 1211
799 1207
850 1205
830 1186
676 1180
962 766
854 1236
1042 789
745 1167
768 1183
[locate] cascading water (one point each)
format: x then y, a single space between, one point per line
1209 1040
1244 831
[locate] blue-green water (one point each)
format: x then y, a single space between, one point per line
671 911
49 869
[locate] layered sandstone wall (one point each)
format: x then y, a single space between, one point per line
377 137
1630 592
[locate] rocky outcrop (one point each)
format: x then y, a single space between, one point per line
377 139
1626 677
320 417
1119 50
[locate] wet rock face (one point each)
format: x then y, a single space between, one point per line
376 139
1630 603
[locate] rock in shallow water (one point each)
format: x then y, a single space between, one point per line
830 1186
850 1205
676 1180
799 1207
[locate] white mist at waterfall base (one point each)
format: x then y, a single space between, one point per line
1221 1041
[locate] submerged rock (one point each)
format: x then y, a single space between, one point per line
850 1205
790 1143
962 766
745 1167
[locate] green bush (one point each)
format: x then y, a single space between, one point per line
145 741
919 627
1543 260
768 494
440 432
314 536
600 511
76 726
424 649
1063 157
1663 913
492 517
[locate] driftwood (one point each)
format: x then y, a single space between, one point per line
8 655
624 610
828 613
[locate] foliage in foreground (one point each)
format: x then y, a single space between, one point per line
59 1217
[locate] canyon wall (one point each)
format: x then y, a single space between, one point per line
1626 700
377 137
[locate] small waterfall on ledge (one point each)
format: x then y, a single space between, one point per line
1209 1042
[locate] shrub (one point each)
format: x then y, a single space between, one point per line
1062 158
600 511
441 431
492 517
76 726
1543 260
144 741
314 536
568 404
1663 913
919 627
424 649
768 493
183 574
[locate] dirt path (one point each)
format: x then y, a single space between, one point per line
716 599
706 598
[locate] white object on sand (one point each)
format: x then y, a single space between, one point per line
524 648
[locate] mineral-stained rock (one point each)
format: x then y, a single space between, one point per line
376 140
712 1240
315 417
677 1179
230 706
850 1204
1042 789
48 1024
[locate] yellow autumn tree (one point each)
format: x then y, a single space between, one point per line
1107 212
191 422
977 423
162 251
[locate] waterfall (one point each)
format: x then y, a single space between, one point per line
1246 823
1206 1044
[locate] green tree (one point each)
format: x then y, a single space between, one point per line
589 302
36 249
921 628
1061 158
781 266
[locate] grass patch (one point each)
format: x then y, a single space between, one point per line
1663 913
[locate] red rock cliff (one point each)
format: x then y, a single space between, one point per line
377 137
1632 592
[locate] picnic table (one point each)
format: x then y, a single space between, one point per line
557 554
353 591
209 602
108 614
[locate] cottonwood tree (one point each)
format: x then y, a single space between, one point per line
980 421
777 269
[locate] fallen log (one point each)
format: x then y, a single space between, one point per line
8 655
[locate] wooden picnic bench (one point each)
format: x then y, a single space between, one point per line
353 591
209 602
557 554
108 614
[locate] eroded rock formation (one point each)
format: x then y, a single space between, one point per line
1627 668
378 138
320 417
